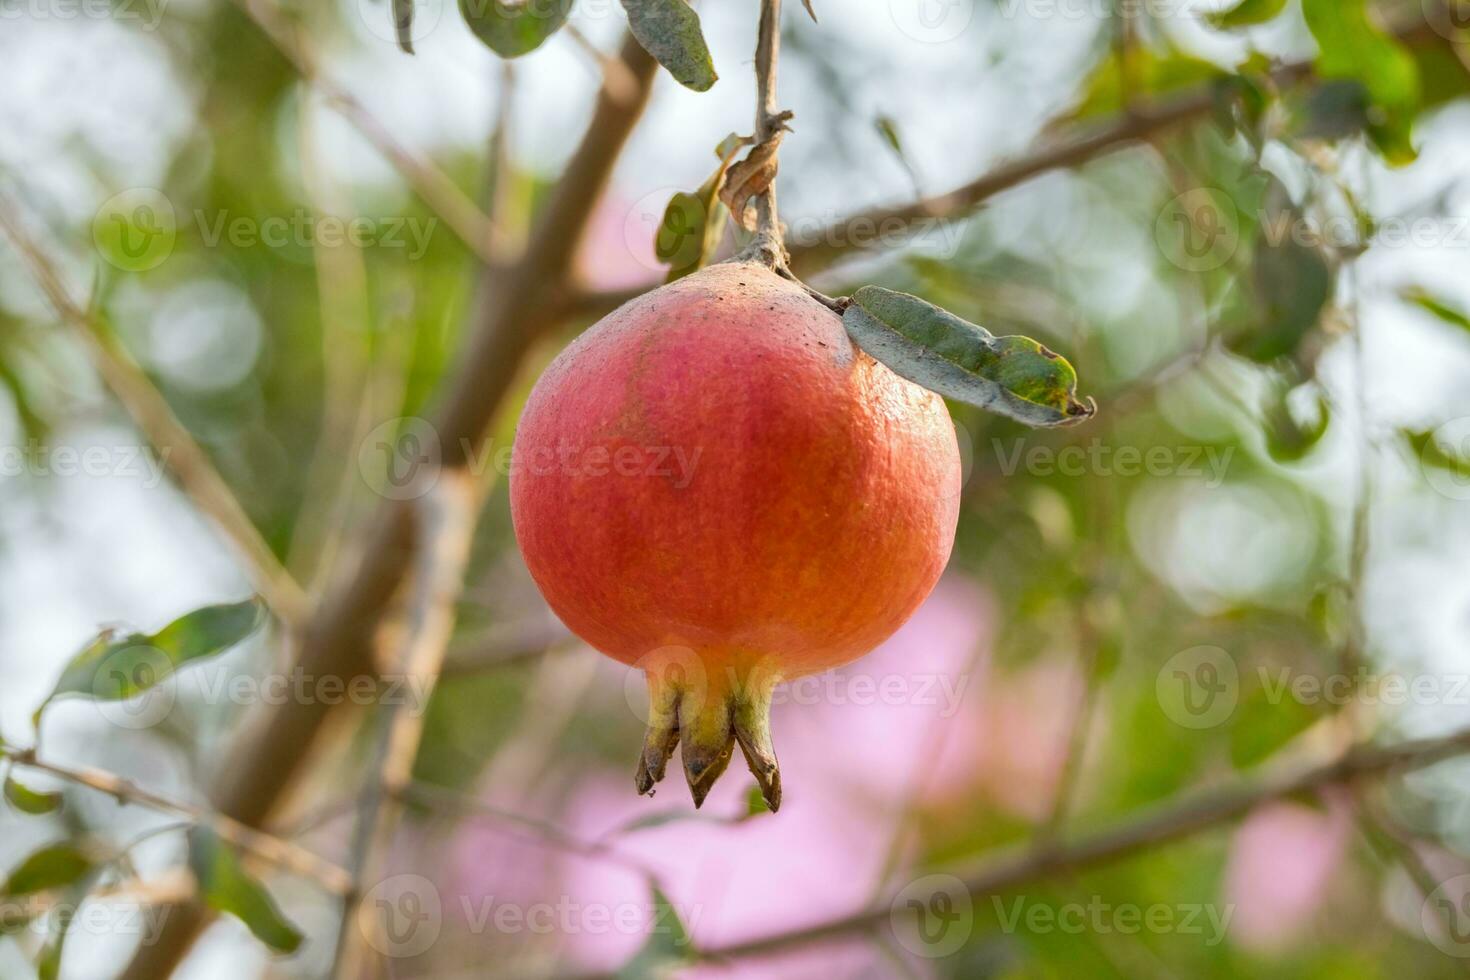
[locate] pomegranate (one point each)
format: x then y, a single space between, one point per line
715 485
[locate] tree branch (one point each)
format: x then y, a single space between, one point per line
274 850
155 419
446 528
1170 822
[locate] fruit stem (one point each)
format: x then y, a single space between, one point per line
768 247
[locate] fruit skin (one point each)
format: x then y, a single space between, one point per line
715 473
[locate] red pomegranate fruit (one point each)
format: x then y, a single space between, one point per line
715 485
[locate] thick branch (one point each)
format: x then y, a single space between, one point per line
1162 825
338 640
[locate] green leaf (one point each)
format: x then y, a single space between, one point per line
226 887
1432 453
668 944
1155 73
1013 376
27 800
755 803
1293 285
403 24
694 224
1289 436
113 668
1352 46
669 30
53 866
1246 13
1268 718
1436 307
514 29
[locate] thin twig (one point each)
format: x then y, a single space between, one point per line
434 187
155 419
767 246
267 847
446 529
617 80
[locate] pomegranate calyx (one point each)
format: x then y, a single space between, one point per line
707 718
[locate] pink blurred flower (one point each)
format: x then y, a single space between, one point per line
1281 863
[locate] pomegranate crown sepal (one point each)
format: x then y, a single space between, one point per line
707 706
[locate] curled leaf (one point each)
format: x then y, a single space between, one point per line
693 224
669 30
1012 376
750 177
514 29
